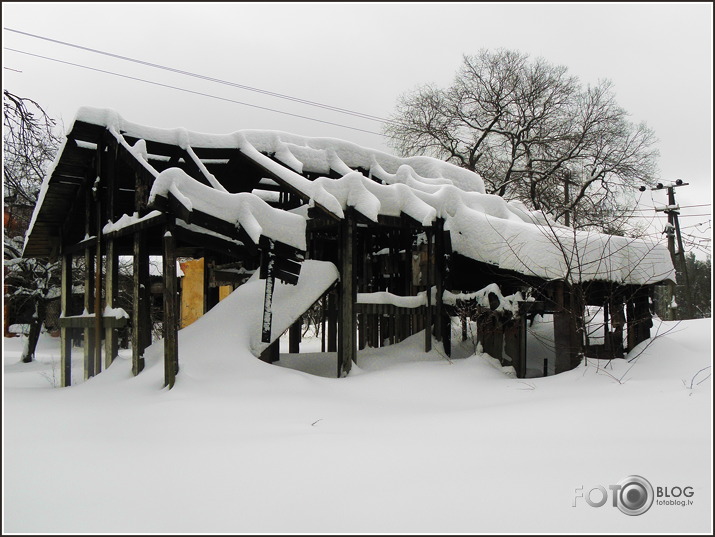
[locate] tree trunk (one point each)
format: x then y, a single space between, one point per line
28 353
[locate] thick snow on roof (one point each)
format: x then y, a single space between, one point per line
484 227
249 211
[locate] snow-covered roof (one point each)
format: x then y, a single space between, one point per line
484 227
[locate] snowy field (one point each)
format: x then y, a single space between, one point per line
409 442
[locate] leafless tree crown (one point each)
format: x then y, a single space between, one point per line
533 133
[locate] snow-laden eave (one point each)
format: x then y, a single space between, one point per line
43 190
557 253
299 153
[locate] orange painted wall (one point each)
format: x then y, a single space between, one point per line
192 291
224 291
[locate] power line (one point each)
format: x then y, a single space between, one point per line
208 78
681 215
680 207
190 91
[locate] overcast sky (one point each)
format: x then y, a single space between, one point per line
361 57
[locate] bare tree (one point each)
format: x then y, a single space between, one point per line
533 133
29 145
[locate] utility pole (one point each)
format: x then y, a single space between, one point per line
672 231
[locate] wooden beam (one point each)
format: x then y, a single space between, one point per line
154 221
211 242
123 154
89 243
199 218
89 321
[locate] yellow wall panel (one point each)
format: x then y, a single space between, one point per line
192 291
224 291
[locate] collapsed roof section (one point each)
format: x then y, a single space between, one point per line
233 178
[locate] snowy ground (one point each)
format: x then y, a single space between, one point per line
409 442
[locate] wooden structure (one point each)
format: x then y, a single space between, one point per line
120 189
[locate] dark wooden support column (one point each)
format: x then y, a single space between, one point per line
522 343
140 301
562 327
141 291
618 321
332 322
578 324
323 319
643 314
406 240
99 223
439 278
638 317
268 265
66 332
211 292
171 309
112 259
362 330
294 336
428 282
347 348
89 370
607 343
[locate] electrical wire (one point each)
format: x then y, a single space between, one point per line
208 78
191 91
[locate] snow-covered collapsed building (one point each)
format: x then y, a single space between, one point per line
391 246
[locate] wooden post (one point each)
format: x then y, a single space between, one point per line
141 292
617 321
324 310
65 332
362 330
346 295
89 370
270 261
645 321
562 328
112 263
428 283
98 331
139 300
211 292
294 333
332 322
577 327
439 278
638 317
171 313
522 344
607 344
